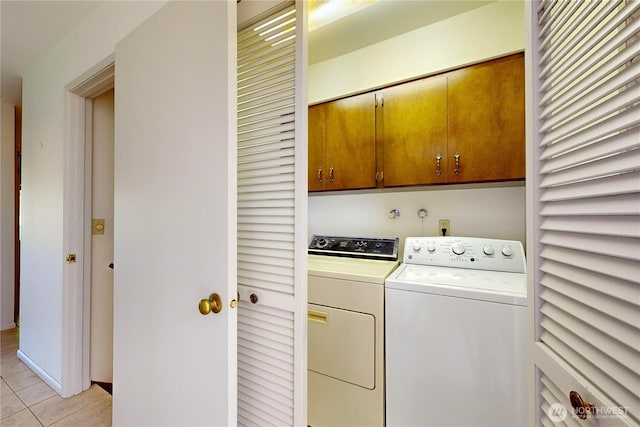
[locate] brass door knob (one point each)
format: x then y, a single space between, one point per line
581 408
214 303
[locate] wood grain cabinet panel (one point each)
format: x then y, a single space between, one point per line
317 145
351 143
414 133
342 144
463 126
486 121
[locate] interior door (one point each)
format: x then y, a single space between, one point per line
583 213
175 218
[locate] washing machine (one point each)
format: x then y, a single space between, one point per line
456 334
346 379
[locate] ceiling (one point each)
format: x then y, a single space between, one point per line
30 28
379 21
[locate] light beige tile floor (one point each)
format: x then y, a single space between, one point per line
27 401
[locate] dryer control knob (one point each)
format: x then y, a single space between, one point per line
457 248
488 250
431 248
416 246
507 251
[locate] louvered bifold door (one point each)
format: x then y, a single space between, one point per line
272 214
584 187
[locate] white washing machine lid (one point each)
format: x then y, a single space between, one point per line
354 269
492 286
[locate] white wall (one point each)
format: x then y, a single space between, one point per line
497 212
487 32
494 211
7 203
43 258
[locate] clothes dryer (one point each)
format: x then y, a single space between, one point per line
346 329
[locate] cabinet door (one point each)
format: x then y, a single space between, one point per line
414 133
351 142
317 142
486 121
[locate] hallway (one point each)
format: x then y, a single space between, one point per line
28 401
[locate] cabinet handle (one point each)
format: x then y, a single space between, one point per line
438 168
331 175
457 158
319 175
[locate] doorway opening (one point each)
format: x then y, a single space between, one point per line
16 216
102 171
88 297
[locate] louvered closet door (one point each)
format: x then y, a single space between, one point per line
272 228
584 196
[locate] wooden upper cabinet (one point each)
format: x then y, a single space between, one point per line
350 143
486 121
317 145
414 132
470 121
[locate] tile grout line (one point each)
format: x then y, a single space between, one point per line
41 422
35 416
23 402
27 407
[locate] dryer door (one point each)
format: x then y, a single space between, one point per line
341 344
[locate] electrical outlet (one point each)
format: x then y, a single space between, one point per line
446 224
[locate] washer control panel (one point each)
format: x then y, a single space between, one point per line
466 252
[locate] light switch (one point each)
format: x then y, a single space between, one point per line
97 226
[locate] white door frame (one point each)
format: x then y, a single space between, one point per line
76 293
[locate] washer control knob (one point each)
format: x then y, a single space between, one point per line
488 250
457 248
431 247
416 246
507 251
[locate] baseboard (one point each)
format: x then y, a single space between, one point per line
55 385
8 326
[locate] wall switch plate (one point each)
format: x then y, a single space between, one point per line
97 226
446 225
